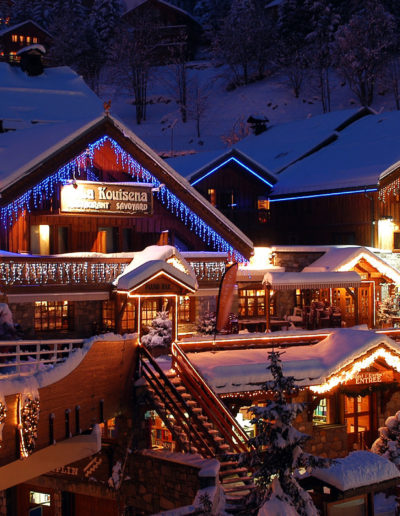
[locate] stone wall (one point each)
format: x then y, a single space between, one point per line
157 485
295 261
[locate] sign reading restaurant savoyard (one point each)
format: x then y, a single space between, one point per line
107 198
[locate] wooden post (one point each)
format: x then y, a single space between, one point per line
267 307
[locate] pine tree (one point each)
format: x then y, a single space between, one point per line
42 12
388 442
21 11
105 16
278 450
160 334
207 323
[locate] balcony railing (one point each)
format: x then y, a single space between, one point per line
26 357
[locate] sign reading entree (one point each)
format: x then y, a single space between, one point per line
107 198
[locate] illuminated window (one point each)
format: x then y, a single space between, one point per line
149 311
212 196
53 315
252 303
108 315
28 39
263 210
128 322
108 429
21 39
320 414
14 38
40 239
39 498
35 40
184 309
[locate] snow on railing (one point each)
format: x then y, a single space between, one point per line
26 357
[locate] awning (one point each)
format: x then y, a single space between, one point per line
311 280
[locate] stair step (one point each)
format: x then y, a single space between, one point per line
234 471
228 463
235 480
238 489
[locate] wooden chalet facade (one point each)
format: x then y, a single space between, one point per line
176 34
14 38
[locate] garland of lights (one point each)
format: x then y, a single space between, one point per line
28 418
382 387
46 188
392 188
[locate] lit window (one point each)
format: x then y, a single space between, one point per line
108 315
40 239
252 303
28 39
128 322
53 315
14 38
108 429
212 196
21 39
149 311
320 414
35 40
39 498
263 210
184 309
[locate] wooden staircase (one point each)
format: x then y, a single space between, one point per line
199 422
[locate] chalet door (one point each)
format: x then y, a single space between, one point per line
364 305
358 413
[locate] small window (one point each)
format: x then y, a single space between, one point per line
128 322
53 315
28 40
212 196
39 498
21 39
320 414
35 40
149 311
263 210
108 316
14 38
40 239
184 309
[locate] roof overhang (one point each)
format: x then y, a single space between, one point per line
311 280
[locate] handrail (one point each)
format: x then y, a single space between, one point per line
56 352
240 434
173 390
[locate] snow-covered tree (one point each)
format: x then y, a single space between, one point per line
160 334
278 452
21 10
42 12
363 47
5 14
207 323
324 22
388 442
105 17
210 13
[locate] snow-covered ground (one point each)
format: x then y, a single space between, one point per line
271 97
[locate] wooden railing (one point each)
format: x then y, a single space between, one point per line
211 405
25 357
174 403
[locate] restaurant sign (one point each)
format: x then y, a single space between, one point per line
107 198
367 377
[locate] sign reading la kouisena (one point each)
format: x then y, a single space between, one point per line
107 198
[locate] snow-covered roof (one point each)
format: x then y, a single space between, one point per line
133 4
152 260
361 154
358 469
19 25
57 95
246 369
346 257
135 278
277 147
315 280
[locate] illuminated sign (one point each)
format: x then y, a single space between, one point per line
107 198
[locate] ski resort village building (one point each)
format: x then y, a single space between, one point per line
111 401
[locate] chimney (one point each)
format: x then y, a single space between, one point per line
32 59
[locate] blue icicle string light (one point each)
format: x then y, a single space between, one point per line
46 188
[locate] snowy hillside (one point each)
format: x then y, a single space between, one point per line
225 111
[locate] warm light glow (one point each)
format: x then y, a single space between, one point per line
384 269
267 338
177 264
344 376
262 259
162 273
385 234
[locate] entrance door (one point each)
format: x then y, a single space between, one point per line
358 420
364 304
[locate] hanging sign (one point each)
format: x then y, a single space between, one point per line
367 377
106 198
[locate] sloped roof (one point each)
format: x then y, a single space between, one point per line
246 369
346 257
278 147
58 95
134 278
361 154
134 4
19 25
